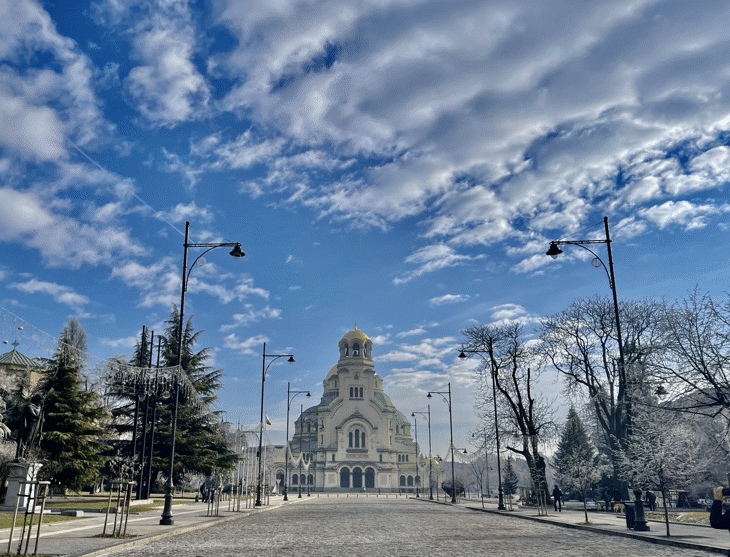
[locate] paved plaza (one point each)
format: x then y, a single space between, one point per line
374 527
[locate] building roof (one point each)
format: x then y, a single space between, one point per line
356 334
15 358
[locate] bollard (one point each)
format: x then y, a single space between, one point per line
640 524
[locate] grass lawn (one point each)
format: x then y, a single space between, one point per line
6 519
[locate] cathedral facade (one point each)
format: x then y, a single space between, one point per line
354 439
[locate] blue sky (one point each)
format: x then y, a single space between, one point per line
398 164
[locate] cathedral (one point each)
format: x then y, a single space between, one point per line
354 439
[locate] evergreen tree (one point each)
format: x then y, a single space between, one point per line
73 419
509 479
573 446
200 445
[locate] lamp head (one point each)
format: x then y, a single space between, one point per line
309 394
465 451
462 355
553 251
428 395
236 251
291 361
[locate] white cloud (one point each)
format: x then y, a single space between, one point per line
449 299
433 258
682 213
248 347
60 293
410 333
252 315
61 240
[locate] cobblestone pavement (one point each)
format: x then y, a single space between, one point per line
333 527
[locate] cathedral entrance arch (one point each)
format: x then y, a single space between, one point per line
369 478
345 477
357 478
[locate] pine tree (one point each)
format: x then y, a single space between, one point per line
200 446
73 431
509 479
573 445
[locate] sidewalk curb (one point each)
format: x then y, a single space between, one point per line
144 540
658 541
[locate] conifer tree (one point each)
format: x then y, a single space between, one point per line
200 445
574 444
73 431
509 479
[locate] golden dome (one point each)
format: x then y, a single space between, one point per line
355 334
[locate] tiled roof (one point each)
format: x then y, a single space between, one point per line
15 358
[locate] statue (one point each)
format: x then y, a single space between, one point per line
4 430
29 434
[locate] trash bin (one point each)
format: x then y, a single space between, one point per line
630 515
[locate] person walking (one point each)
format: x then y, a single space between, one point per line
717 518
558 499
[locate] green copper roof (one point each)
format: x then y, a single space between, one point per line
15 358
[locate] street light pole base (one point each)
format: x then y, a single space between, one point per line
166 519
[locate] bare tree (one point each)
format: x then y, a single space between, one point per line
581 344
664 451
697 336
511 368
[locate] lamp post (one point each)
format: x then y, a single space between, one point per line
554 251
166 519
500 504
289 399
418 475
430 456
301 438
264 367
451 432
486 461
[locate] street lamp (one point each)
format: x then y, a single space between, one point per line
166 519
554 251
418 475
264 368
500 504
289 399
486 460
451 431
430 458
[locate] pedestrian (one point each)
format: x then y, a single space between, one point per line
717 518
606 500
651 500
558 499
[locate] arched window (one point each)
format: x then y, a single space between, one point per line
365 350
357 438
351 440
351 393
403 481
302 479
356 349
310 479
361 393
345 477
362 439
295 479
410 481
347 351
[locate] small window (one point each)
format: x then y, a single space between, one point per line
347 351
381 458
362 439
356 349
350 436
351 393
333 457
362 392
